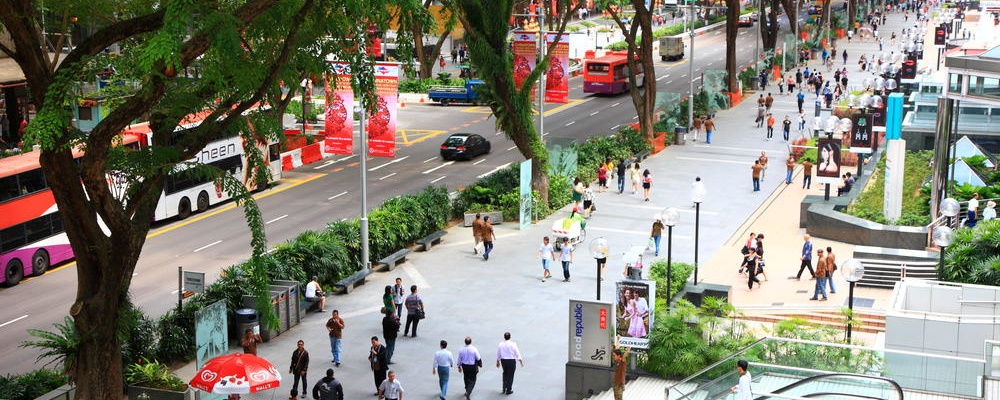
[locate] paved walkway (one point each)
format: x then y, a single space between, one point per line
466 296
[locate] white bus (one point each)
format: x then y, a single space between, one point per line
183 196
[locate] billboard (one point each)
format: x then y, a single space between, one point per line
525 49
381 127
557 76
861 133
338 124
634 302
828 161
590 332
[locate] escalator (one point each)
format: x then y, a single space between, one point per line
832 386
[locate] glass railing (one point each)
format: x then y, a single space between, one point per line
776 363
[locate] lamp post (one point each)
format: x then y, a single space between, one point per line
360 113
691 72
949 207
670 218
599 249
698 196
942 236
853 271
305 98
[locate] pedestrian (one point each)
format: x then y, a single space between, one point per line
390 389
831 267
786 127
802 123
477 232
770 126
709 129
750 265
755 174
378 358
990 213
761 115
821 276
547 255
602 177
488 238
800 99
790 81
635 175
697 191
508 356
806 258
850 35
768 102
390 330
588 200
328 388
807 173
845 56
335 330
781 85
798 78
398 295
469 363
789 168
413 304
647 182
577 189
696 127
314 294
388 301
655 234
972 210
454 55
619 357
742 389
443 362
759 245
299 367
566 257
622 170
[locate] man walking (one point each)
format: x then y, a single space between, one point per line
547 254
821 276
443 361
831 267
299 367
618 386
770 126
390 389
786 127
806 258
469 363
789 168
508 356
755 174
622 170
335 328
477 232
709 129
390 330
488 237
328 388
413 303
768 102
800 99
379 360
807 174
398 296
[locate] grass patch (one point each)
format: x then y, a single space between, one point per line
916 200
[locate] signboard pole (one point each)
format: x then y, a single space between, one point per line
180 288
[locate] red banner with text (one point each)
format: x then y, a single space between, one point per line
338 126
381 125
525 53
557 76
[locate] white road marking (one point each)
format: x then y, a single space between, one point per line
438 179
387 176
615 127
13 320
336 196
276 219
594 113
662 77
713 159
635 117
347 158
683 76
430 159
615 105
570 122
207 246
709 65
695 79
511 148
670 81
642 232
388 163
439 167
479 162
415 275
499 133
326 164
493 170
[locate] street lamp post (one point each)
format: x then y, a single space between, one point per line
691 72
599 249
698 196
853 271
949 207
942 235
670 218
305 98
360 113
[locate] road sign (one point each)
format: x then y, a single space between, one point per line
194 281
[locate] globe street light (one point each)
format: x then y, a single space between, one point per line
697 196
670 218
943 235
853 271
949 207
599 249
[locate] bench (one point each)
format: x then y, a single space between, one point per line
430 240
348 284
642 155
394 259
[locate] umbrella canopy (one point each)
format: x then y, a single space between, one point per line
236 373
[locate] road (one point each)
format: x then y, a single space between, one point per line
314 195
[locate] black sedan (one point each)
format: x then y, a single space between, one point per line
464 146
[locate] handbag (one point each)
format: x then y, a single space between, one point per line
421 314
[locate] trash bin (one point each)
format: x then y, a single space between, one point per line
680 134
753 83
246 318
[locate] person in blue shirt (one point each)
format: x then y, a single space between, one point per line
806 258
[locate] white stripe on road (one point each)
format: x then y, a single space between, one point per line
511 148
326 164
594 113
430 159
388 163
479 162
713 159
276 219
570 122
642 232
13 320
438 167
387 176
493 171
615 105
438 179
207 246
336 196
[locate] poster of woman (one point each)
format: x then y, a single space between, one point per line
828 161
634 312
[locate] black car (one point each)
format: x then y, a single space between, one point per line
464 146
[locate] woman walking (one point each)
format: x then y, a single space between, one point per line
647 182
635 175
750 264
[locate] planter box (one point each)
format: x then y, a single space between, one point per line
659 142
496 218
145 393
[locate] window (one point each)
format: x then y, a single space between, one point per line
8 188
955 83
86 114
598 69
274 151
32 231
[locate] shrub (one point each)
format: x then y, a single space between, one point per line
680 272
916 197
974 255
560 192
153 374
30 385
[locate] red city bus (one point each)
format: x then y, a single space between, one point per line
609 74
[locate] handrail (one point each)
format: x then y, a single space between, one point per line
793 385
715 364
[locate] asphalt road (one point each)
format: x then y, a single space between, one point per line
314 195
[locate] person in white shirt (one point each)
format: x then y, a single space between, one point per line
973 210
314 293
508 356
547 254
443 361
469 363
990 212
390 389
742 389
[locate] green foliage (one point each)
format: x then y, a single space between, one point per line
31 385
560 191
916 200
680 273
688 338
671 30
974 255
60 347
811 356
312 111
485 191
624 144
153 374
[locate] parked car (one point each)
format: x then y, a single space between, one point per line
745 20
464 146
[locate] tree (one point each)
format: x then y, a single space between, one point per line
639 38
240 51
486 27
769 26
419 21
732 33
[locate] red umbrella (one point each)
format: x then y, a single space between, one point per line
236 373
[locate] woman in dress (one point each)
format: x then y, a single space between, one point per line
635 175
636 327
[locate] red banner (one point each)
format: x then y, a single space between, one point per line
381 126
557 76
338 126
525 52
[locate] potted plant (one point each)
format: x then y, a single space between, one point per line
152 380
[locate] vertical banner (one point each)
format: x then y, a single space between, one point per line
525 194
828 161
861 133
381 125
525 53
590 333
338 124
557 76
634 301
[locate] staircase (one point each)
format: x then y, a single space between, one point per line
870 321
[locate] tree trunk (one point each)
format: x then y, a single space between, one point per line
732 32
643 98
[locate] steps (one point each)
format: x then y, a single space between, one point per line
870 322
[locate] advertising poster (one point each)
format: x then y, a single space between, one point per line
861 133
634 301
557 76
381 125
525 211
338 125
525 53
590 332
828 161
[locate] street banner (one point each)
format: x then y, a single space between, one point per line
557 76
634 302
590 332
338 125
828 161
525 219
525 53
381 126
861 133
